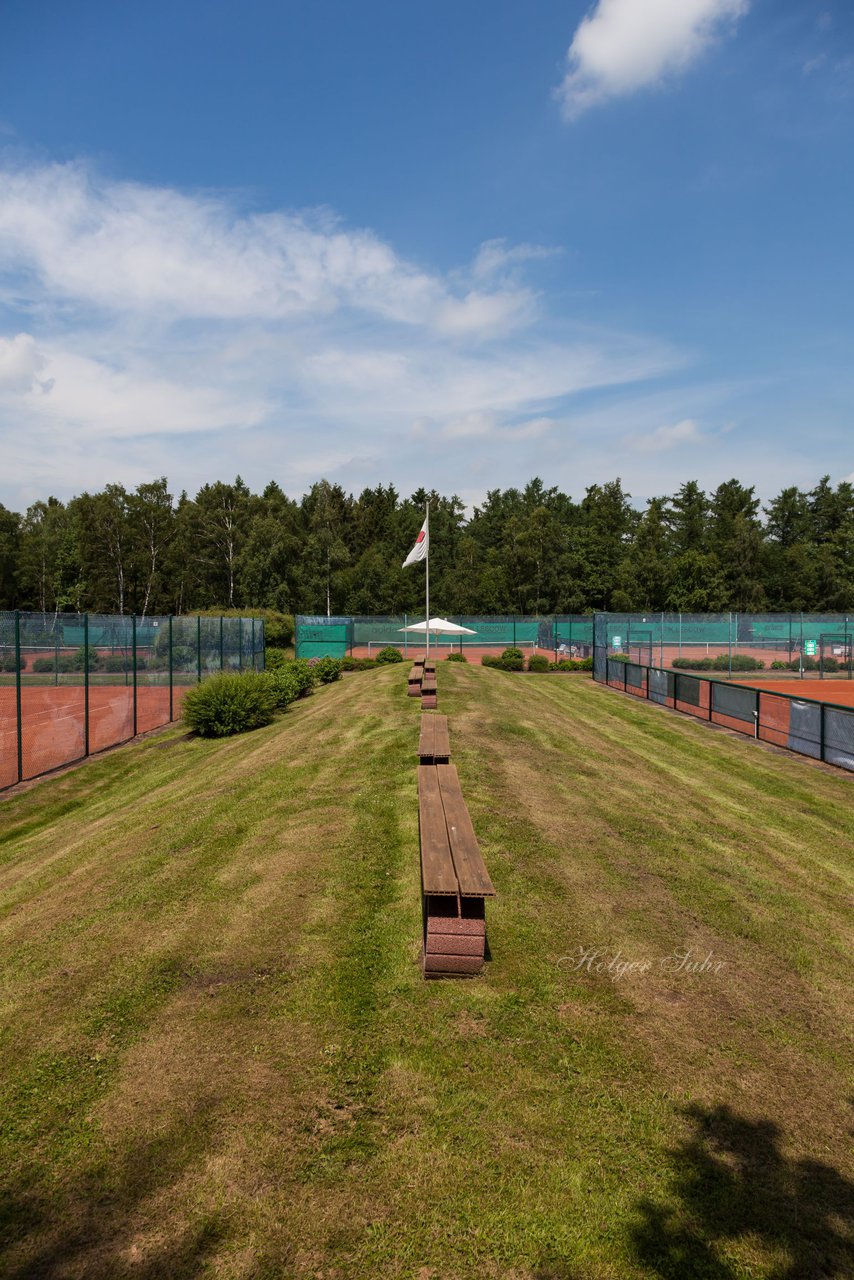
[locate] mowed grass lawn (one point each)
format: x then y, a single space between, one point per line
219 1057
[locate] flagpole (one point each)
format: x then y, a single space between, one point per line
427 523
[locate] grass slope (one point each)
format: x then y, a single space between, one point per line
219 1059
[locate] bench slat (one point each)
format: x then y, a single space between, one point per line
437 866
434 745
471 870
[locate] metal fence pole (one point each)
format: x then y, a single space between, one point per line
55 655
756 712
711 697
171 675
133 635
821 730
199 649
239 644
254 663
18 695
86 684
221 643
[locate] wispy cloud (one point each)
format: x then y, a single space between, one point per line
625 45
668 437
148 330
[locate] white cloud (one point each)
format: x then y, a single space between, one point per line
150 331
20 362
624 45
668 437
132 249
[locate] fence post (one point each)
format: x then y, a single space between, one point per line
514 631
254 665
199 649
171 675
221 643
86 684
18 695
711 698
55 655
821 728
756 714
133 634
240 644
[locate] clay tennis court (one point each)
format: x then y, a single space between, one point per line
53 723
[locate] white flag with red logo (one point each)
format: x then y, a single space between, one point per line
419 551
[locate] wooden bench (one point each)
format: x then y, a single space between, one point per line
454 880
434 745
428 692
416 675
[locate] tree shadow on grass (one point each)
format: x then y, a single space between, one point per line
732 1182
86 1227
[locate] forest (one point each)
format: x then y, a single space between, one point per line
533 550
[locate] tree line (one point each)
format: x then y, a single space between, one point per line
526 551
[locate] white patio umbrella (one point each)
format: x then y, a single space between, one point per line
438 627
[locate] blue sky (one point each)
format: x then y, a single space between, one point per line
449 244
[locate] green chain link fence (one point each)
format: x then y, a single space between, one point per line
73 684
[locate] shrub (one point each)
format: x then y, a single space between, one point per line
809 664
284 687
389 654
741 662
538 662
831 664
274 660
456 657
327 670
10 663
301 675
227 704
694 664
357 664
490 660
79 659
619 657
62 664
779 666
117 662
513 659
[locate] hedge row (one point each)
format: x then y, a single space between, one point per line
514 660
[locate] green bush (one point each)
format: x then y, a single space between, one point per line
227 704
490 660
779 666
620 657
513 659
284 686
538 662
117 662
274 660
62 664
389 654
694 664
809 664
10 663
456 657
357 664
831 664
326 670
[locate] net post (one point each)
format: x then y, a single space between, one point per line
171 675
133 635
199 649
18 695
85 684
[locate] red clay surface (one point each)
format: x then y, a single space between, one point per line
53 723
840 692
